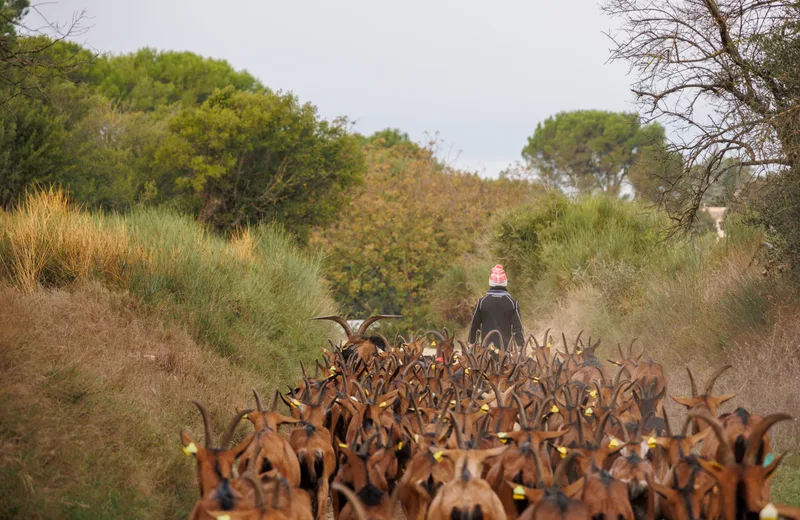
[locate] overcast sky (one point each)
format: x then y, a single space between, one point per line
479 73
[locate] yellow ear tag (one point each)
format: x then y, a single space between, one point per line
453 402
223 517
295 403
593 394
547 345
614 443
342 445
399 445
519 493
191 449
333 370
433 343
416 438
438 456
616 363
244 418
651 442
580 352
485 408
383 404
466 371
563 451
554 409
535 379
588 412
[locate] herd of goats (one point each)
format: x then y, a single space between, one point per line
477 432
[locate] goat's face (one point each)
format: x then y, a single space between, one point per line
213 465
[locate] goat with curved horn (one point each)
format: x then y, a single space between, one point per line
341 321
207 425
372 319
753 443
713 379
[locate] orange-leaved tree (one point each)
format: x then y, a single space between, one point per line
411 219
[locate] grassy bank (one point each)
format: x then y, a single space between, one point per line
110 325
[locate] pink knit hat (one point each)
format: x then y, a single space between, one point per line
498 277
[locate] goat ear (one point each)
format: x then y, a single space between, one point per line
662 490
289 420
713 468
664 442
773 466
697 437
575 488
190 447
723 399
688 402
243 445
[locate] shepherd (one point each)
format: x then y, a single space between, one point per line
497 311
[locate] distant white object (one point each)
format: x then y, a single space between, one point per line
718 214
355 324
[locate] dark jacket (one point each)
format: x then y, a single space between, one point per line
497 310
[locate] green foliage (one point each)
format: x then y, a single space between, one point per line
33 140
411 220
556 243
148 79
177 129
11 11
243 157
589 150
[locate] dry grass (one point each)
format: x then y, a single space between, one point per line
110 325
93 397
49 241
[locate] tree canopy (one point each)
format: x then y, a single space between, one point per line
243 157
589 150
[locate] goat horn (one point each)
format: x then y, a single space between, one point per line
341 321
562 467
258 489
259 406
523 416
226 439
303 371
372 319
751 448
601 429
355 502
578 339
691 380
207 425
459 435
710 385
435 333
727 455
497 394
564 339
666 424
275 400
489 335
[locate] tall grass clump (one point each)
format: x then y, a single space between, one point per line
248 297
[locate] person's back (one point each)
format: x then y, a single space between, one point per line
497 311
